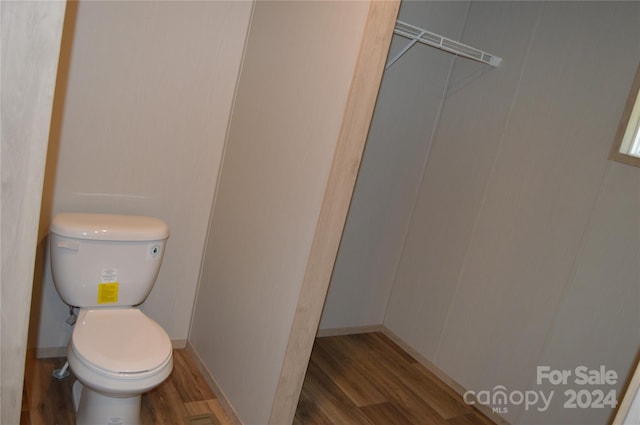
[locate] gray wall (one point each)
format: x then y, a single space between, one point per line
390 173
522 248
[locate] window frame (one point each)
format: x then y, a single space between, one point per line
615 154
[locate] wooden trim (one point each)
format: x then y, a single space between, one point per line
630 391
179 344
455 386
47 352
628 399
351 330
335 205
622 127
222 398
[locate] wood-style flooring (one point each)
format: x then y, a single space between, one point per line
367 379
356 379
184 398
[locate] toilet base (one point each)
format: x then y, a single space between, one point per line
93 408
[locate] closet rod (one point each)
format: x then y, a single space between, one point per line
419 35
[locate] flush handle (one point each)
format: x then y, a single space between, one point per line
71 246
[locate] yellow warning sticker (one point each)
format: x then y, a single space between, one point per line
107 293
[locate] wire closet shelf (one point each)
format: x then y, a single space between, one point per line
419 35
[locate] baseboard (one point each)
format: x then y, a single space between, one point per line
224 402
455 386
350 330
50 352
179 344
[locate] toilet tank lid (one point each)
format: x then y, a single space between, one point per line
109 227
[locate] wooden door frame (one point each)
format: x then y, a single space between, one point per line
356 121
31 35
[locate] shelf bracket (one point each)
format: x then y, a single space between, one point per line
419 35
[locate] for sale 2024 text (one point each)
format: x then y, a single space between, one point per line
595 398
591 391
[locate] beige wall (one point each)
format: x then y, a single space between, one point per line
523 244
149 94
291 97
31 33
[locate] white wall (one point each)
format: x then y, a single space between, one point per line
523 244
31 33
290 102
394 158
149 94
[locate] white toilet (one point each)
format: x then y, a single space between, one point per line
106 264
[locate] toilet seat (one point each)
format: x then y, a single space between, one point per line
120 342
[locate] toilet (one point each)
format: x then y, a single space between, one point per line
106 265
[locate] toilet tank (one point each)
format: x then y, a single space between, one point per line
105 260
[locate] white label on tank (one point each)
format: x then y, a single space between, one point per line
109 275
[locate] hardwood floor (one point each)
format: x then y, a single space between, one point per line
367 379
356 379
184 398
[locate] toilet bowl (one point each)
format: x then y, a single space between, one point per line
116 355
106 265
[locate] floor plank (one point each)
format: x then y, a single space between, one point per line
373 361
47 398
351 379
361 379
333 403
368 379
190 383
386 413
423 383
154 411
309 413
184 398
